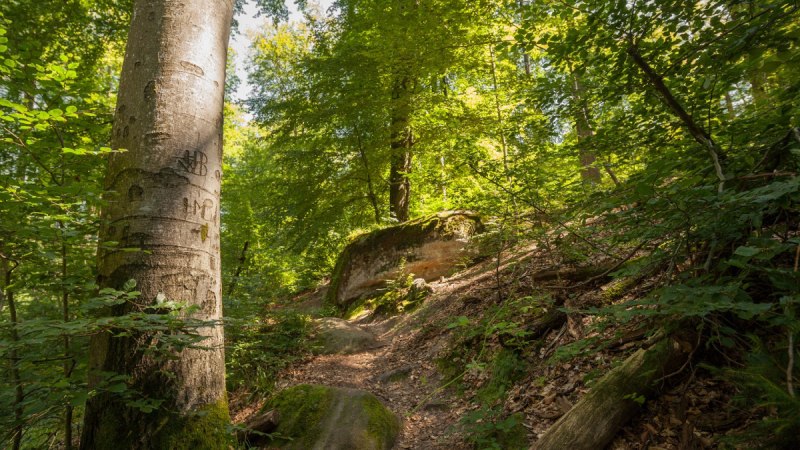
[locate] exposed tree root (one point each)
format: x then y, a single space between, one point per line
257 429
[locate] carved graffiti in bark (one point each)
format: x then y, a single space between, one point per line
194 163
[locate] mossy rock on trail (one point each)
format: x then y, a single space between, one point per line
338 336
314 417
428 248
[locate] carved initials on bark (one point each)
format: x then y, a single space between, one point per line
194 163
205 208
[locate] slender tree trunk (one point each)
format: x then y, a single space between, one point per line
589 173
499 113
697 132
402 139
399 184
373 199
239 268
758 90
444 179
68 360
526 59
729 106
164 199
13 356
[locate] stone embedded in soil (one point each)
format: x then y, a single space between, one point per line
398 374
338 336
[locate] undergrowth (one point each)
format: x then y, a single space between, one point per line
260 347
488 353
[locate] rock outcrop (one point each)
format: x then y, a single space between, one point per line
428 248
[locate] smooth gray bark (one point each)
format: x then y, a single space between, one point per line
163 198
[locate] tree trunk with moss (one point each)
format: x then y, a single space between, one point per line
163 198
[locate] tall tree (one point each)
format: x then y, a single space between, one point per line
164 200
402 140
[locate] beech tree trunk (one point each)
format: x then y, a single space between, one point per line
164 199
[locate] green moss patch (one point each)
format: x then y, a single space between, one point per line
300 409
203 429
382 426
313 416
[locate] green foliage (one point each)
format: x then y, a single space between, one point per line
57 66
47 388
261 345
491 350
325 98
505 368
573 350
491 428
397 297
667 127
764 388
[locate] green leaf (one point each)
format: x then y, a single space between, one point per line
747 251
117 388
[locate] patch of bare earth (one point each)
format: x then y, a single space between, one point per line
403 374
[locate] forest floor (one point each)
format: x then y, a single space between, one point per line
406 370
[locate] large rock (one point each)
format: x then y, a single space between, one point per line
428 248
338 336
314 417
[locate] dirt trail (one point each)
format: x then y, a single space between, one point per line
402 373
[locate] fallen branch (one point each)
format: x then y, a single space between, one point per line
766 175
698 133
584 274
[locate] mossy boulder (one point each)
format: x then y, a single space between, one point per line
428 248
338 336
314 417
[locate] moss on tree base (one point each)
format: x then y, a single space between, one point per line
205 428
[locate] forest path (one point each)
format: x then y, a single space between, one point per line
402 371
401 374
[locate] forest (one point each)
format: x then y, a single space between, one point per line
399 224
